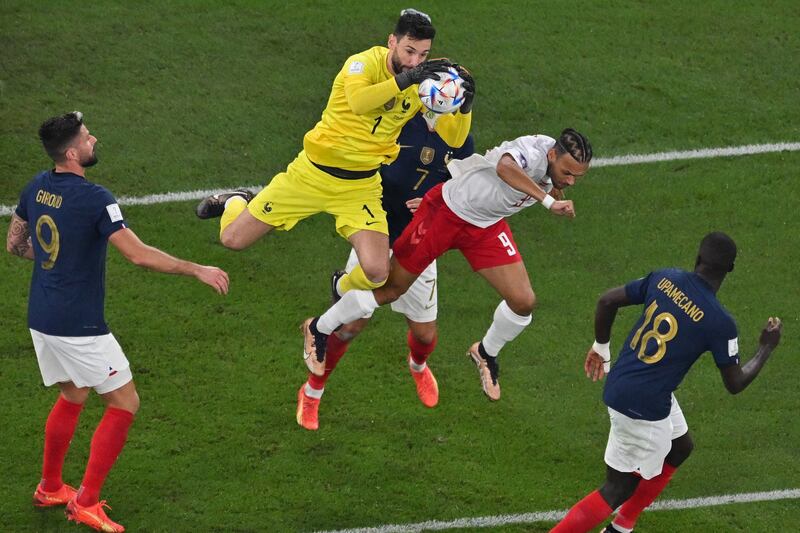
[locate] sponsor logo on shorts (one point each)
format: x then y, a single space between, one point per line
390 104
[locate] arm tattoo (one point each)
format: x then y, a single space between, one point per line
19 237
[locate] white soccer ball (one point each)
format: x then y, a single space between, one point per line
444 94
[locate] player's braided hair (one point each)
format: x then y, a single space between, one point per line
718 252
575 144
57 133
415 24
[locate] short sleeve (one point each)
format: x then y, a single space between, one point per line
636 290
525 152
110 219
725 344
22 207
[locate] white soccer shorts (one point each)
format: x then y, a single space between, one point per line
419 303
641 445
96 362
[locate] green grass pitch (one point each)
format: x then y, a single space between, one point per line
198 94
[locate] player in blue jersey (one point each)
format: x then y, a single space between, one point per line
421 165
649 437
63 223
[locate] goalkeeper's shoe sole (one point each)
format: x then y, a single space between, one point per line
335 277
213 206
62 496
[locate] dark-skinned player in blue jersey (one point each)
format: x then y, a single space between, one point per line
63 223
649 437
421 165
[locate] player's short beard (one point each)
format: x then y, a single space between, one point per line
89 161
397 66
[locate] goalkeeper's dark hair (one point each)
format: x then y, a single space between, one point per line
717 253
575 144
415 24
58 133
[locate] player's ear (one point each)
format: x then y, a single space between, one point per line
392 42
552 155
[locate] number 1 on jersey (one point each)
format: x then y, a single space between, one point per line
377 121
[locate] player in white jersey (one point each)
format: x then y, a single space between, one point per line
468 213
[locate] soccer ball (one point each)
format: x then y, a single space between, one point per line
443 94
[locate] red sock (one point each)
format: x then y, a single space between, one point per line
584 515
420 351
334 350
58 431
107 443
646 493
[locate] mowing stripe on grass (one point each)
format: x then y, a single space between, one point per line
621 160
553 516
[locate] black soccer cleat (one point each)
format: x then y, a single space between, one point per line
611 529
213 206
335 277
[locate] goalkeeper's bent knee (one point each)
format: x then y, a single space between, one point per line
356 279
233 208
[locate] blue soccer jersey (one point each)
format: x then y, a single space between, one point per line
70 220
421 165
682 319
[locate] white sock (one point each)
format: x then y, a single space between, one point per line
415 367
313 393
622 529
352 306
236 198
505 328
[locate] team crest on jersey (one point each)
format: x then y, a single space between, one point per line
390 104
426 155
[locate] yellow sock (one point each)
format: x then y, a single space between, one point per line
356 279
234 207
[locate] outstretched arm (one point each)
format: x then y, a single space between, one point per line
510 172
143 255
18 240
738 377
598 359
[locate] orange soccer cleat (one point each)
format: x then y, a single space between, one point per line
62 496
307 410
93 516
427 387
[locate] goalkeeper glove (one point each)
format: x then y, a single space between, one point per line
423 71
468 86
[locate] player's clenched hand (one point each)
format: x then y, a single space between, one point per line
214 277
594 365
413 204
563 207
771 334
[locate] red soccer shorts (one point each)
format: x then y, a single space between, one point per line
436 229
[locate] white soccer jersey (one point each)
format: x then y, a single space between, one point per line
478 195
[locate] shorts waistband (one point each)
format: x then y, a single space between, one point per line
345 174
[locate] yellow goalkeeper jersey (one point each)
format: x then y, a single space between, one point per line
366 110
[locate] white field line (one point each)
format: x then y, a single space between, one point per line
621 160
553 516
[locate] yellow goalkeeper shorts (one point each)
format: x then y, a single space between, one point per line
304 190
